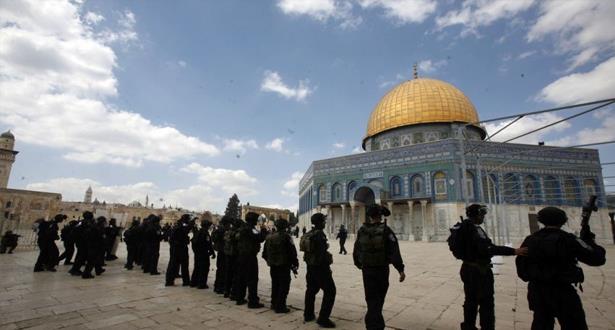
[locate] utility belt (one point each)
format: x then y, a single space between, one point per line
483 268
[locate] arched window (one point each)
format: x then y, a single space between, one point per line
322 193
531 189
351 186
570 190
470 184
511 188
418 185
337 192
552 189
589 188
395 186
490 188
439 182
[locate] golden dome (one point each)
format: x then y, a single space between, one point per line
420 101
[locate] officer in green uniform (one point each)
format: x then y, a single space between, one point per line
281 256
249 240
319 277
375 248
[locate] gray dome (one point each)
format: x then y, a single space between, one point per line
7 135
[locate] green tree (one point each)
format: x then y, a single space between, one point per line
232 208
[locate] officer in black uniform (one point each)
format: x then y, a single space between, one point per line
152 235
67 235
281 256
375 248
342 235
230 253
217 237
249 240
203 250
476 271
94 236
111 233
178 251
81 242
131 240
319 276
551 269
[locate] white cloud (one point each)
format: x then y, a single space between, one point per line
525 55
182 64
322 10
357 150
476 13
93 18
125 31
403 11
429 66
276 144
229 181
272 82
56 83
73 189
598 83
580 28
525 125
339 145
291 186
239 145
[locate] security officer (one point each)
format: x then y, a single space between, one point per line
375 248
68 238
152 235
281 256
319 276
131 240
217 237
249 240
230 253
551 269
81 242
178 251
111 233
342 235
476 271
203 250
94 236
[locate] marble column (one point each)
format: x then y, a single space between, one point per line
344 222
390 207
409 227
330 218
352 219
424 220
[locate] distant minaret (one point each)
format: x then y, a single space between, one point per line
7 157
146 201
415 72
88 195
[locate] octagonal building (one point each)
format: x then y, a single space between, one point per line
426 158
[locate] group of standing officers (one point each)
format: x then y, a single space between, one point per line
547 259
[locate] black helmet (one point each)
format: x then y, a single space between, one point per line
552 216
375 211
252 217
281 224
60 217
318 218
475 210
88 215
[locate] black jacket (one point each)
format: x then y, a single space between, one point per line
480 249
553 255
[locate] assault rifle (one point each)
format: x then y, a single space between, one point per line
588 208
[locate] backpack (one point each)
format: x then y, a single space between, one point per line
310 251
372 241
305 244
458 239
277 254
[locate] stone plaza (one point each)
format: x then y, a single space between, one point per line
430 298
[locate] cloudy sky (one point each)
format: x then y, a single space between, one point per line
190 101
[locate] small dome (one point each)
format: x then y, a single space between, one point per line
7 135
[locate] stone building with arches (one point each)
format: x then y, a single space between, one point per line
426 158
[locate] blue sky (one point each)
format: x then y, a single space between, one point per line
189 101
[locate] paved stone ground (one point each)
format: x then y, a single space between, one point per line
430 298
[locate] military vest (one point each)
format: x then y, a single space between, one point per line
229 242
372 241
311 256
277 249
245 243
